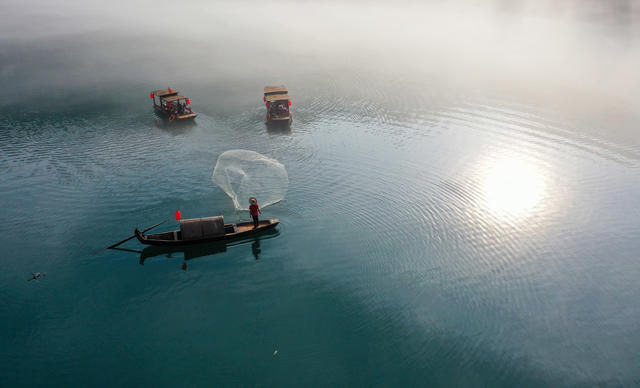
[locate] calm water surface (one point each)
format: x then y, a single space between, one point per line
435 233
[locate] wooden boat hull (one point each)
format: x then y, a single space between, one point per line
191 252
282 120
187 116
232 232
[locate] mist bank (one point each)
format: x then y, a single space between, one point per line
575 56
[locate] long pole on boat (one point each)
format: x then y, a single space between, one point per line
129 238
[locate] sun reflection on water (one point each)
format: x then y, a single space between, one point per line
512 187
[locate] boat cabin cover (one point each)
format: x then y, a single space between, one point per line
276 93
275 90
277 97
165 92
202 228
174 98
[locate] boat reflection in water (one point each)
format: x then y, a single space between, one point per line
255 248
210 249
278 128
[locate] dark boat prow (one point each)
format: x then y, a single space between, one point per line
204 230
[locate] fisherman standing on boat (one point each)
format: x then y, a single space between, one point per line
254 209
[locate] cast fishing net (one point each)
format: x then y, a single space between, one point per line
243 174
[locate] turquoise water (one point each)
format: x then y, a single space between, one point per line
435 232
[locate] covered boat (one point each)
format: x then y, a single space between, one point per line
172 105
203 230
278 103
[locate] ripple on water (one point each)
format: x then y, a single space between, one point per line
423 223
389 206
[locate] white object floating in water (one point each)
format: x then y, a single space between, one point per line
275 353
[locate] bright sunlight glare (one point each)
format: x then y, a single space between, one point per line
512 187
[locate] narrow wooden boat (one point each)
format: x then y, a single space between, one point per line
278 103
190 252
204 230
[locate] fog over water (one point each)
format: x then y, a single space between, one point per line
572 48
574 56
462 206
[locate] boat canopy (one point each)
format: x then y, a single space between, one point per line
277 97
202 228
174 98
165 92
275 90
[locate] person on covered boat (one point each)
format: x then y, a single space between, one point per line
254 209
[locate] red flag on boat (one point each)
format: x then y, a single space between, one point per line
289 102
177 215
150 95
188 101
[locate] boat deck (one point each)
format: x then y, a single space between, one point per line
240 228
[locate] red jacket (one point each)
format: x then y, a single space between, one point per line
254 209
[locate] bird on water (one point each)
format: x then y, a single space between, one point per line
36 276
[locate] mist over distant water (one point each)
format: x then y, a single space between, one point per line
463 205
576 56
